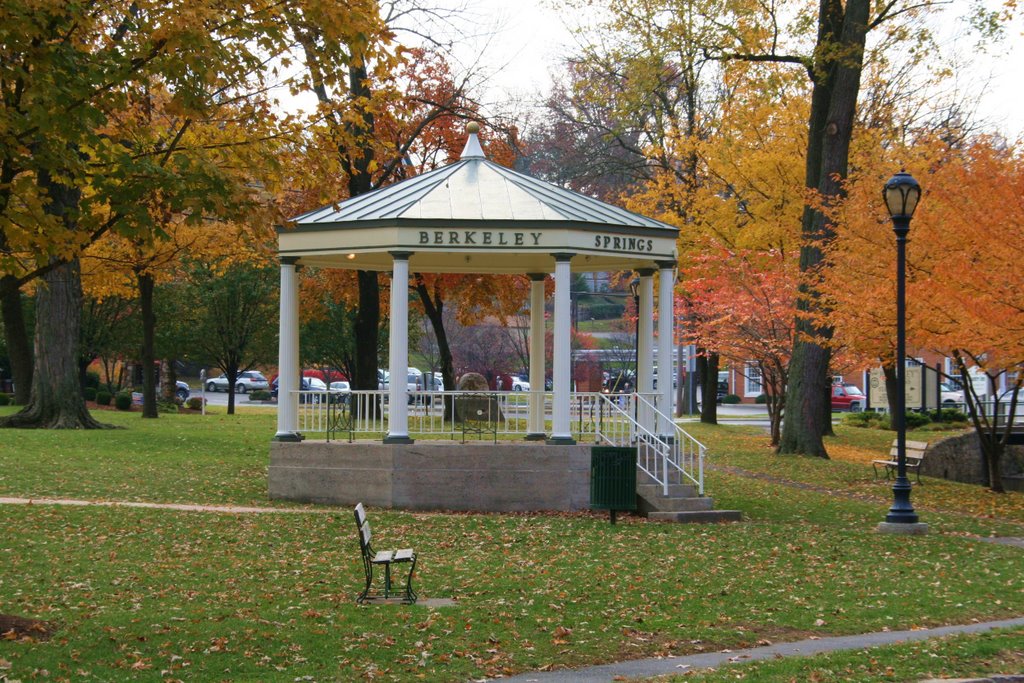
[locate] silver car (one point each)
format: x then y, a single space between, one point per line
250 380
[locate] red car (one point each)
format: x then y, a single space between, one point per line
848 397
325 377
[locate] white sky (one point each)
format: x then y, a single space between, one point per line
532 38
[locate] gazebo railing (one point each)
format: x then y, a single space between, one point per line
613 419
437 413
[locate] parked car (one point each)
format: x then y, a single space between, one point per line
329 376
506 382
519 383
951 396
307 386
848 397
182 391
433 381
250 380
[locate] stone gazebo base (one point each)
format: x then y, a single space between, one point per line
434 475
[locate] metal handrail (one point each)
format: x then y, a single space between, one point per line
662 456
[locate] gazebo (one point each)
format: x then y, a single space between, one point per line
475 216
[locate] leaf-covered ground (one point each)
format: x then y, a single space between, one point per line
142 594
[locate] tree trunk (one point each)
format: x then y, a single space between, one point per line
775 381
56 400
435 313
833 107
992 450
366 328
168 380
148 354
232 372
16 336
707 371
891 386
826 405
357 165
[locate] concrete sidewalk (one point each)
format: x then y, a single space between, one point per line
644 668
185 507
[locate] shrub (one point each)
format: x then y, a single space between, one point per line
913 420
761 398
163 406
259 395
92 380
123 400
863 419
5 399
103 398
606 310
195 403
89 393
916 420
731 399
948 415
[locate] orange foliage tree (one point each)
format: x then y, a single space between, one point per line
964 292
972 221
742 305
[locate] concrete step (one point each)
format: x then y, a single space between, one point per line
697 517
674 491
650 500
695 504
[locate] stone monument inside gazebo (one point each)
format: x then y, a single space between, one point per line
471 216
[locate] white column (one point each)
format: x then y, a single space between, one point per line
535 426
288 353
645 341
561 375
666 343
398 396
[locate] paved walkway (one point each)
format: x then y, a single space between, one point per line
227 509
663 666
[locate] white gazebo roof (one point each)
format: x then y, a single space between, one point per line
477 216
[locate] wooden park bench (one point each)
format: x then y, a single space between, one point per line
384 558
914 456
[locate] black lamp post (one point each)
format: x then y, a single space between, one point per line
634 288
901 195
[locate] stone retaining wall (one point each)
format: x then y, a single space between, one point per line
433 475
958 458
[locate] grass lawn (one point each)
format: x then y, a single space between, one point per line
143 594
611 326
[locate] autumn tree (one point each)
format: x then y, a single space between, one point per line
72 170
232 306
833 65
352 74
745 302
981 319
980 322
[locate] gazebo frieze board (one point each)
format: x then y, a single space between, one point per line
539 260
447 250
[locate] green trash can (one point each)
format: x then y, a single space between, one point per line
612 478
